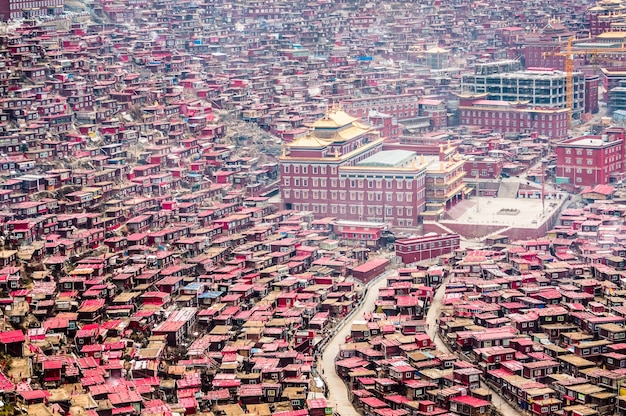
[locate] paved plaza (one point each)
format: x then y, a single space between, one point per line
489 210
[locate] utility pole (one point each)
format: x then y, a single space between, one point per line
543 187
477 193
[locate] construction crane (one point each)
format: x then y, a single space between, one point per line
569 67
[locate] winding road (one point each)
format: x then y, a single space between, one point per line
431 318
337 389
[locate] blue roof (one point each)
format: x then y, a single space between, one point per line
210 295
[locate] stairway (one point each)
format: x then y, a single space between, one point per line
508 189
440 226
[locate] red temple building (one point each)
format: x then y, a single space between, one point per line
339 168
512 117
591 160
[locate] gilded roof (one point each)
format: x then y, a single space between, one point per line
334 119
309 141
349 133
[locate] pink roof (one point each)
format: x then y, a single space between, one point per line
317 403
11 337
470 401
370 265
373 402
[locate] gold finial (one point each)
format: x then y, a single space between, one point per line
413 164
421 159
337 153
284 151
441 148
441 165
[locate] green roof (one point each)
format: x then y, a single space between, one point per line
388 159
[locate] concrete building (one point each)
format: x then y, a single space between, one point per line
537 86
612 78
617 97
